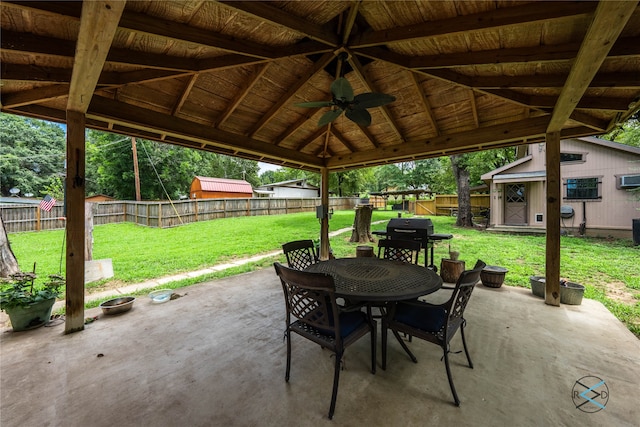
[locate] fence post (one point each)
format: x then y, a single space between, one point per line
248 207
38 225
159 215
195 208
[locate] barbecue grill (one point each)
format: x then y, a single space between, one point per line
420 229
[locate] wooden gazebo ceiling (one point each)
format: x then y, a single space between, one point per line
224 76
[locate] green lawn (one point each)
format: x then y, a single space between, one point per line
140 253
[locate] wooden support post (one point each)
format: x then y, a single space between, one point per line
324 222
552 271
75 185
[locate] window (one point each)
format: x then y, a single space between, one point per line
582 188
571 157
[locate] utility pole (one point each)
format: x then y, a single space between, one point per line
136 174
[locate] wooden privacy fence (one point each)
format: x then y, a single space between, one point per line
447 204
163 214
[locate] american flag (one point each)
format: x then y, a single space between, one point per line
47 203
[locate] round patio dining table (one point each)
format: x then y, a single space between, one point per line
378 280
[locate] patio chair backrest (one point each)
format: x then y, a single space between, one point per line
300 254
310 298
402 250
462 293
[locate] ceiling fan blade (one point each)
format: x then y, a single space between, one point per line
329 116
314 104
359 116
372 99
341 89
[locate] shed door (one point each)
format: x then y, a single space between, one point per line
515 204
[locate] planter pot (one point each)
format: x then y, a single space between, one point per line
571 293
493 276
32 316
537 285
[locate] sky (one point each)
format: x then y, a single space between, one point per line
267 167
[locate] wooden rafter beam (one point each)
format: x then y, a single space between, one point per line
350 21
340 137
98 26
244 91
589 103
141 23
630 80
607 24
309 140
359 71
274 15
41 94
443 144
293 128
628 47
461 24
285 98
425 103
121 113
47 46
185 94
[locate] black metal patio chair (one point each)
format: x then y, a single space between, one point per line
399 250
300 254
437 324
312 312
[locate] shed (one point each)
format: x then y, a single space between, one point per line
100 198
203 187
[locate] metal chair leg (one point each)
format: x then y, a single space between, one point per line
464 344
336 378
453 389
404 346
286 375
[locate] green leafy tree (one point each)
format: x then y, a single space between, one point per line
32 154
627 133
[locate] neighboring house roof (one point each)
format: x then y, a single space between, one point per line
224 185
610 144
293 183
498 174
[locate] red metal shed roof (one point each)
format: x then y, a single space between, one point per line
224 185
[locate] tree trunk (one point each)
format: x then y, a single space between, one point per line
362 225
88 231
8 261
465 218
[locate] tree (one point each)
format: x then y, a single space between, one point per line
467 169
166 171
32 154
459 164
627 133
8 261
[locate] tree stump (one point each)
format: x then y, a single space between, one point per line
362 225
8 261
451 270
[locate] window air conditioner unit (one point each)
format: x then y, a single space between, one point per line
630 181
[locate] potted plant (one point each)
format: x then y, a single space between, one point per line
28 306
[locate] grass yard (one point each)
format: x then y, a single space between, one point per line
609 269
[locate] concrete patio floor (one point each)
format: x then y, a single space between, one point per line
216 357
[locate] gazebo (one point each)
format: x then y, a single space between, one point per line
226 77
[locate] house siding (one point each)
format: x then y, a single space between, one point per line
612 214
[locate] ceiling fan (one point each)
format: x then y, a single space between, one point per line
343 100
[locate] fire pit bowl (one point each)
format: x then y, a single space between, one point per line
117 305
